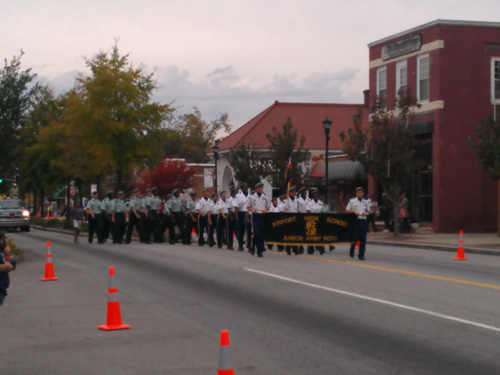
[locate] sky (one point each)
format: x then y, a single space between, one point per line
223 55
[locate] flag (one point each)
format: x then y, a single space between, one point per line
288 176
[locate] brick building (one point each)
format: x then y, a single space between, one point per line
453 67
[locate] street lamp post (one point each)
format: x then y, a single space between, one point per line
327 124
215 149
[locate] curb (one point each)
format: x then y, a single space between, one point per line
451 249
66 231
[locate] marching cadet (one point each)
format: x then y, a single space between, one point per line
107 211
240 208
315 206
146 222
118 218
203 208
232 220
222 220
212 219
166 216
175 216
134 217
302 201
290 205
155 203
191 218
360 207
258 204
273 209
94 214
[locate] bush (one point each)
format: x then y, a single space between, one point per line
14 249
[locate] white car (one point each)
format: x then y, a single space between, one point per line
13 214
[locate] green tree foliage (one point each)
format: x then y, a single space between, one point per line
486 145
285 145
247 165
190 137
386 148
16 89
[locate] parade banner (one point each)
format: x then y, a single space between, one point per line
295 229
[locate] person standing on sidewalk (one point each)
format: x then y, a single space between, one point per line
77 217
359 207
94 214
404 213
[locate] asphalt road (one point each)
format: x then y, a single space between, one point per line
404 311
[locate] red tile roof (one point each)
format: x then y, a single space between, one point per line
307 118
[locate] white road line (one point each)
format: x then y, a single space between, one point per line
377 300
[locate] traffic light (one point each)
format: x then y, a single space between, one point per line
1 181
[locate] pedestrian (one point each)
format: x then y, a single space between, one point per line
290 205
77 217
203 208
134 217
212 219
222 219
404 213
146 216
191 218
5 267
106 211
315 207
374 212
360 207
386 212
118 218
240 208
258 205
232 220
175 216
94 216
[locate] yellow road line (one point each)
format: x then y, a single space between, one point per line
404 272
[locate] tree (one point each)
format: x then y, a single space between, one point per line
247 165
169 175
487 149
190 136
386 149
286 146
15 94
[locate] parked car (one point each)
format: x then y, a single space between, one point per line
13 214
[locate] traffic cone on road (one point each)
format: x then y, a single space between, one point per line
357 245
49 266
225 361
113 314
460 249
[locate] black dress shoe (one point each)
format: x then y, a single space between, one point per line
332 248
251 252
321 252
260 256
241 249
361 258
288 253
351 251
230 248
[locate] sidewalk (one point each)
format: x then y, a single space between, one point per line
474 243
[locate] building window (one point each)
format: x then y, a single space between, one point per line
401 77
423 78
495 79
382 82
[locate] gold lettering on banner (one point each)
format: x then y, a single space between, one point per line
332 220
287 220
310 228
330 238
311 218
313 238
293 238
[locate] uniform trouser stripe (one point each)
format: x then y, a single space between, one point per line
225 362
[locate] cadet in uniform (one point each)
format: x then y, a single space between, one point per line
315 206
273 208
191 218
167 218
94 214
107 211
134 217
258 204
175 213
240 208
118 218
203 208
155 219
360 207
290 205
212 221
222 219
232 220
146 222
302 201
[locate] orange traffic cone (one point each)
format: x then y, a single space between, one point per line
460 249
193 232
113 315
49 266
48 216
225 361
357 245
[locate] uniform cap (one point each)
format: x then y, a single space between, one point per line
136 190
292 188
302 189
148 190
94 192
175 191
154 189
234 189
359 189
206 189
170 195
192 193
120 193
258 185
243 185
